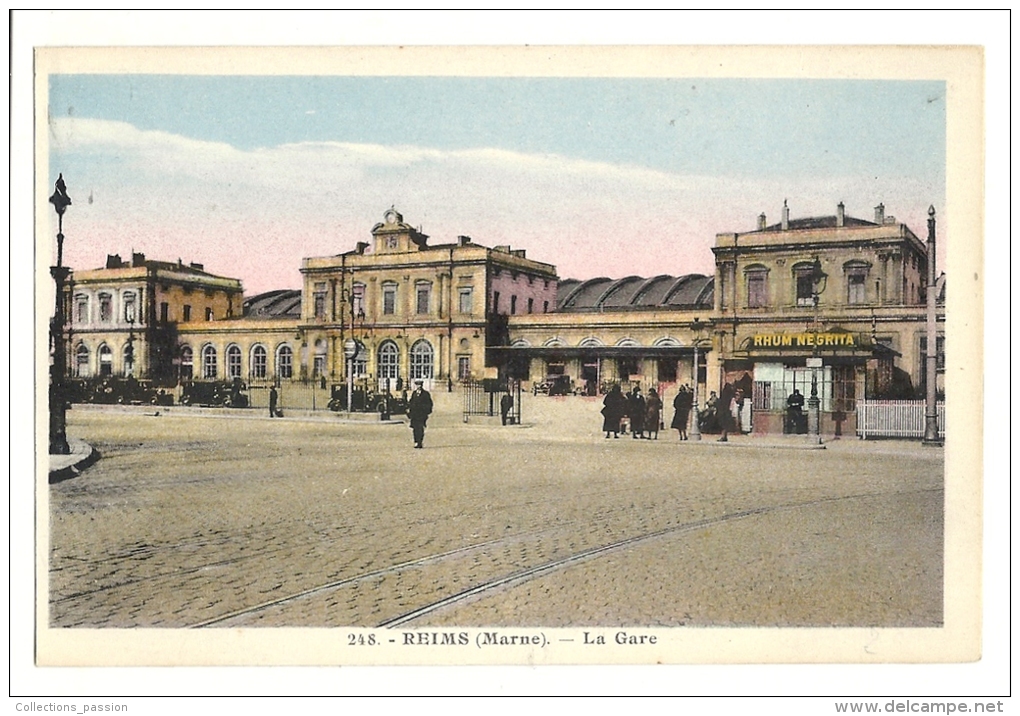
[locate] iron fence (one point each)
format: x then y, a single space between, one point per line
895 418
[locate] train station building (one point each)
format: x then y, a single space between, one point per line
835 297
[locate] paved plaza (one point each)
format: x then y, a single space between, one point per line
238 520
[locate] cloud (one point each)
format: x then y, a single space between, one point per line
256 213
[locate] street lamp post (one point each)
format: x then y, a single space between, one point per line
695 432
931 416
58 369
818 280
129 353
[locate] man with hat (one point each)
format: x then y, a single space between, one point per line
419 407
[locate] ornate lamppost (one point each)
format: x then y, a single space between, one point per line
129 350
931 415
695 432
58 368
818 281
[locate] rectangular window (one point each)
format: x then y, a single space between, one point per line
464 367
208 314
187 312
855 288
129 308
422 302
513 305
940 355
358 299
495 301
805 289
756 290
465 300
81 309
164 312
319 300
531 305
389 295
105 307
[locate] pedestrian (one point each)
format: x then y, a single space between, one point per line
614 406
419 407
506 403
636 413
274 398
724 411
682 404
653 414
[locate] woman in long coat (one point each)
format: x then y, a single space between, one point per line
613 407
682 410
653 414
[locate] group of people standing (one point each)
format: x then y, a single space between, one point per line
644 414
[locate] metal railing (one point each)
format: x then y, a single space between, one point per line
895 418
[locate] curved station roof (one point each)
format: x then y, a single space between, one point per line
635 293
285 303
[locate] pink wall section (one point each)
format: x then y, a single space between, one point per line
507 285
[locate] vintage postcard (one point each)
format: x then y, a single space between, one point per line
491 355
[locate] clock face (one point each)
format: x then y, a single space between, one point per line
390 217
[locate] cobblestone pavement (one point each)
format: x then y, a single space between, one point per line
189 521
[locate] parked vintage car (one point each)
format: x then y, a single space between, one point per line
215 394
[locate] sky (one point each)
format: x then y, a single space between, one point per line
598 176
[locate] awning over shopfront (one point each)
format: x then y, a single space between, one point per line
828 345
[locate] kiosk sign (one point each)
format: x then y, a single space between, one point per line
804 340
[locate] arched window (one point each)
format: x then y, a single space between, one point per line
284 362
105 360
233 361
129 358
81 361
258 362
187 363
389 361
209 362
422 360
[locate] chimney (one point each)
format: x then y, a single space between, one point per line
840 214
463 240
137 259
880 214
360 247
786 216
113 261
197 266
761 221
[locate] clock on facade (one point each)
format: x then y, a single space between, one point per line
391 217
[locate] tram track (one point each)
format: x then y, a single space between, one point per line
520 576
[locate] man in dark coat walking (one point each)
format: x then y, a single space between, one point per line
724 410
506 404
273 399
636 413
419 407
